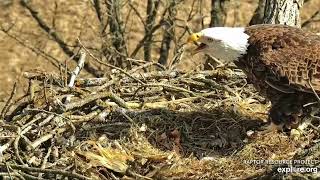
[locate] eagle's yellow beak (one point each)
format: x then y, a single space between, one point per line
194 37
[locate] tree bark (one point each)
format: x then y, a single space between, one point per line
258 15
168 34
218 12
279 12
116 29
152 9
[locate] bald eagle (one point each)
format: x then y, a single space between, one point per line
282 62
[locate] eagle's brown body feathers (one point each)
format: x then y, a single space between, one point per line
282 62
285 56
284 65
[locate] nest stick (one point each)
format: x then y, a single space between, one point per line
109 65
46 137
94 97
75 73
16 147
5 146
7 105
45 160
175 88
48 171
77 70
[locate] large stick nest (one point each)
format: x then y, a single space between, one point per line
142 124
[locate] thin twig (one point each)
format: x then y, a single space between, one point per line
8 103
43 25
108 65
314 91
47 171
77 70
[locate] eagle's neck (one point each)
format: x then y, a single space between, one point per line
233 42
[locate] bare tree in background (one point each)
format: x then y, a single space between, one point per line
152 9
258 15
169 32
278 12
117 32
164 28
218 12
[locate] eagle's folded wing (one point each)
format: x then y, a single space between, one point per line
289 56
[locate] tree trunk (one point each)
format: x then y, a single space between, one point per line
258 15
116 29
218 12
168 34
278 12
152 9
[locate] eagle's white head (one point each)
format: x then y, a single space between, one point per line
224 43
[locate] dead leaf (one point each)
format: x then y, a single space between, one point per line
113 159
